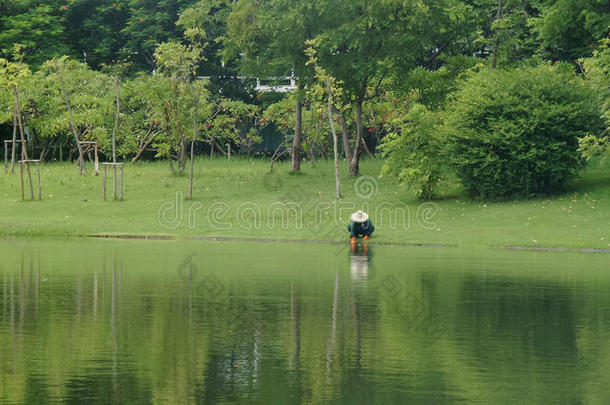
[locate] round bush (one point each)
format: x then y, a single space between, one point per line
515 133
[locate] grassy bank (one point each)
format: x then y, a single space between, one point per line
240 199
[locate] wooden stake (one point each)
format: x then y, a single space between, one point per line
26 163
39 188
21 173
81 158
96 164
104 186
114 180
117 86
14 140
27 167
6 153
229 151
121 195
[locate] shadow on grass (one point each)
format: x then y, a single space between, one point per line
591 181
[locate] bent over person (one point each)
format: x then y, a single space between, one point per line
361 226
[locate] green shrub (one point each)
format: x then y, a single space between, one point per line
597 69
515 133
413 150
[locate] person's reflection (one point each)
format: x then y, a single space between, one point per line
360 257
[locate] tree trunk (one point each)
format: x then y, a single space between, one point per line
81 159
182 145
220 149
354 166
171 165
315 138
346 148
309 146
279 151
24 149
117 85
43 152
139 154
144 143
335 140
195 131
310 154
296 142
495 56
366 149
182 155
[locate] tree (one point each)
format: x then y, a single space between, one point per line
269 39
570 29
232 123
219 120
597 72
93 30
516 132
36 24
179 63
315 125
141 116
367 41
206 23
414 151
504 30
13 76
151 22
329 85
354 50
73 98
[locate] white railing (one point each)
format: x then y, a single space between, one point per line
288 85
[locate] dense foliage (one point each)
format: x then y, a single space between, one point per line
414 151
184 72
516 132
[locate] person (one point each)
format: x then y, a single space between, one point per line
361 226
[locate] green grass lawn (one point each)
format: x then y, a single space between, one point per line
240 199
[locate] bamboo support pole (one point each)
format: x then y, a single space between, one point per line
13 141
6 143
87 149
104 185
21 175
26 164
121 185
114 180
39 188
96 164
27 167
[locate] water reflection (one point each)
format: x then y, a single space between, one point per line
258 323
360 257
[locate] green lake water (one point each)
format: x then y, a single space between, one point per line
137 322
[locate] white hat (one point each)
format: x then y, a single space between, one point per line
359 216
